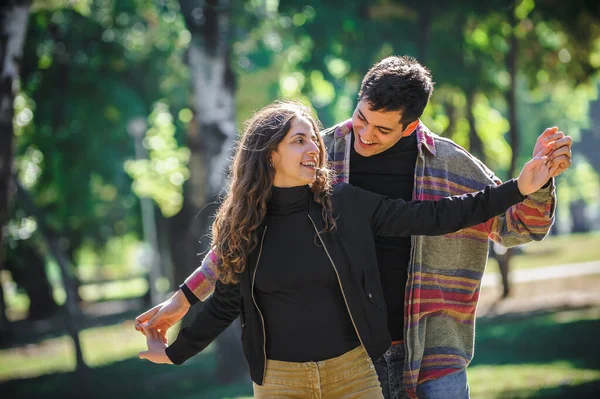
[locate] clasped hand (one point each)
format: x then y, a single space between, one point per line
552 156
156 347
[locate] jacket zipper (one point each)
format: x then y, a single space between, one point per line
339 282
259 312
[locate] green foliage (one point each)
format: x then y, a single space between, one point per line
88 70
161 177
91 68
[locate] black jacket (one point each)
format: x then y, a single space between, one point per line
351 250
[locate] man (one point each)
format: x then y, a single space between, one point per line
430 284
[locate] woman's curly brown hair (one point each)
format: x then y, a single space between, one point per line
236 226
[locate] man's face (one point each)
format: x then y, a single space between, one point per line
375 131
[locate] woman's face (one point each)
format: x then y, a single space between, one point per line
296 158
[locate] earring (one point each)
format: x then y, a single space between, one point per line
271 164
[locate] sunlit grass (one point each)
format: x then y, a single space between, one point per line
537 355
48 356
522 380
555 250
100 345
114 290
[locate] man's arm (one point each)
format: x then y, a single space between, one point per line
527 221
198 286
201 283
219 312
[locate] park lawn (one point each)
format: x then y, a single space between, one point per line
46 369
527 381
555 250
526 356
100 345
548 355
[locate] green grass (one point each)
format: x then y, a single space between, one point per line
544 355
555 250
554 355
524 381
100 345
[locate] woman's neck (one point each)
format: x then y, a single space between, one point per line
288 200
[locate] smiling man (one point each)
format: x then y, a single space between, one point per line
430 284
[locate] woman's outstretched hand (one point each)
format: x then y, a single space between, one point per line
164 315
156 347
537 171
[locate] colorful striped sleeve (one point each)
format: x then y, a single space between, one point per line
202 281
530 220
527 221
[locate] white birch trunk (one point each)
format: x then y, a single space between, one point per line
210 140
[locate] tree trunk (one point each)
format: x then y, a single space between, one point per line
503 256
210 138
450 110
475 143
13 27
27 268
51 239
579 221
514 138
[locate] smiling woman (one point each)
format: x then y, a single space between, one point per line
277 143
296 158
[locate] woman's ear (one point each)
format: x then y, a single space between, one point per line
275 158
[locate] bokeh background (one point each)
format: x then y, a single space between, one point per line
117 119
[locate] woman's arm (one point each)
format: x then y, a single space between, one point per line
399 218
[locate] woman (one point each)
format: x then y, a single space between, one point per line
297 261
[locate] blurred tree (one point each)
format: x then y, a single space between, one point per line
210 138
22 259
542 41
87 72
590 138
50 239
13 27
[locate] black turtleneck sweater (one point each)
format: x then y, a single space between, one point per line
390 173
296 287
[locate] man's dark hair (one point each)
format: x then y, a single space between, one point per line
397 84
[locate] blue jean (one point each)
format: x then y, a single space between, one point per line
390 370
451 386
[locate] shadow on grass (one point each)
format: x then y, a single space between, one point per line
539 338
567 336
588 390
133 378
